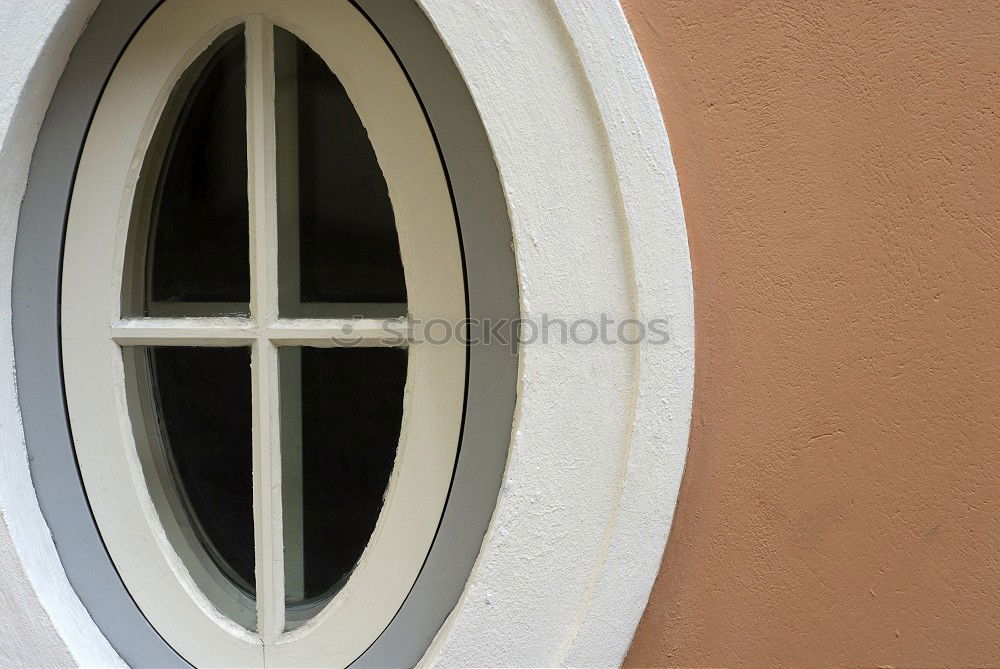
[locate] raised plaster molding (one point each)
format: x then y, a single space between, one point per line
600 432
36 37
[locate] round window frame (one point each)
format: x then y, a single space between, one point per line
476 197
587 588
146 543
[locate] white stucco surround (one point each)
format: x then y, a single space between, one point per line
600 431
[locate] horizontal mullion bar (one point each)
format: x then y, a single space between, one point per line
231 331
340 332
221 331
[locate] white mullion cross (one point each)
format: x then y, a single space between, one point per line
263 197
264 331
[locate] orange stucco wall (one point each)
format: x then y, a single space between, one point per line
840 169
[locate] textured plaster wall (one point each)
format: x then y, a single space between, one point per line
839 168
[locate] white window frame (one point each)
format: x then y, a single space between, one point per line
573 127
93 332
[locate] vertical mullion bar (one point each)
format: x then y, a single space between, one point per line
261 152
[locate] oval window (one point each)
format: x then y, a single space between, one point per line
259 215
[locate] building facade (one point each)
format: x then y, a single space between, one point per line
724 399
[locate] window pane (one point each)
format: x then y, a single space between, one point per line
338 242
341 415
203 406
199 248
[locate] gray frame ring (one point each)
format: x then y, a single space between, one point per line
491 283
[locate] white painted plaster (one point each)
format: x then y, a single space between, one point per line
600 432
44 622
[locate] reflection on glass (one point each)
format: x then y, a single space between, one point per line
203 410
198 213
341 410
338 248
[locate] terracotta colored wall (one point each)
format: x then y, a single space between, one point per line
839 168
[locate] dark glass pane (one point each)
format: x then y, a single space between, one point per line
338 241
204 413
341 412
199 245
